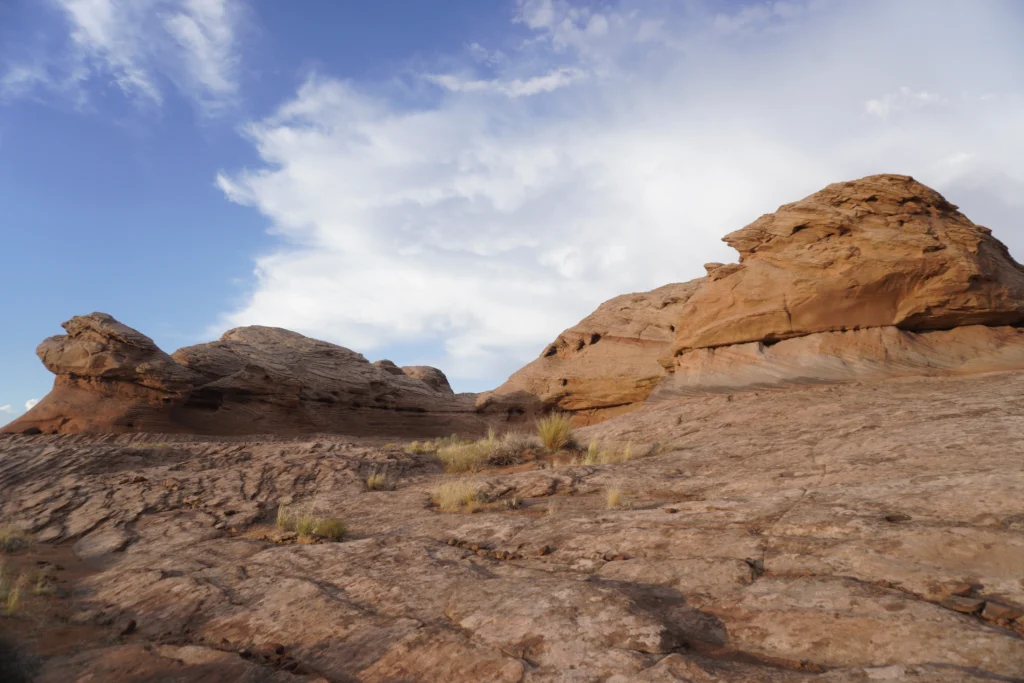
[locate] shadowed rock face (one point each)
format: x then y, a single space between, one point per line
111 378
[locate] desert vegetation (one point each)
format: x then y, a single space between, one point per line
555 431
302 520
11 588
456 496
12 539
378 481
553 445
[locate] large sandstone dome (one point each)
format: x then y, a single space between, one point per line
880 276
883 250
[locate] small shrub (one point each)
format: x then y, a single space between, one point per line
12 539
614 498
509 449
377 482
555 431
513 503
456 496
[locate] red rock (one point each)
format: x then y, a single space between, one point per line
879 251
111 378
602 366
965 605
996 612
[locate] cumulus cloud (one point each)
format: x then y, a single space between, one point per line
471 226
139 46
31 403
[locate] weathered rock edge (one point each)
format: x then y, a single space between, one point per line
112 378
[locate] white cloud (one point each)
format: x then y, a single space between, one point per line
31 403
484 224
902 100
138 46
7 409
515 87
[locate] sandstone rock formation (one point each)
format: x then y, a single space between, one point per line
603 365
822 534
875 277
882 250
872 353
111 378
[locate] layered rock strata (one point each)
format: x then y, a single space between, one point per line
603 365
111 378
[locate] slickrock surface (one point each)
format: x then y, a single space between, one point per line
111 378
604 365
882 250
851 532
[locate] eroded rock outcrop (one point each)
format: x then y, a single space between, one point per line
603 365
111 378
875 277
879 251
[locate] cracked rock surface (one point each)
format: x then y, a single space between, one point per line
856 532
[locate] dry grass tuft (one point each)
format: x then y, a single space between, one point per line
555 431
330 528
304 522
472 456
614 498
377 482
420 447
44 582
456 496
13 539
14 594
10 593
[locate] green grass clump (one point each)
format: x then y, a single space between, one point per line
555 431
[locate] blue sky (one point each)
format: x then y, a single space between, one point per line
453 183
